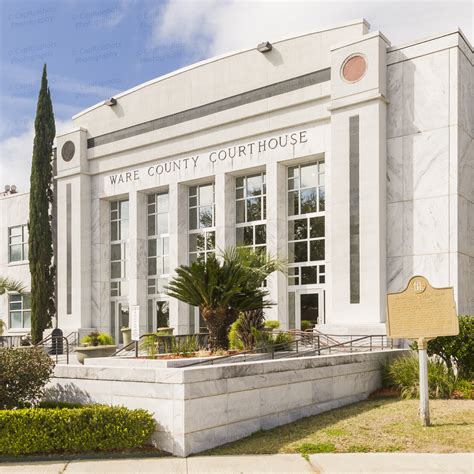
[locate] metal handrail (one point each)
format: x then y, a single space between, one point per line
136 343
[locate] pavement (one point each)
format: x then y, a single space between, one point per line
275 463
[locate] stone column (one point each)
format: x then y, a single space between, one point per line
73 232
178 248
225 211
137 255
276 241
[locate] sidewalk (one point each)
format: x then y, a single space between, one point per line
277 463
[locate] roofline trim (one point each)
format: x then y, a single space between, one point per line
214 59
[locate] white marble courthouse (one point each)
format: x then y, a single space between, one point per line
350 157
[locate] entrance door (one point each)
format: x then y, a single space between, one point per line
309 307
119 318
158 314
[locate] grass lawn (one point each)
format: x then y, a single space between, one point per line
380 425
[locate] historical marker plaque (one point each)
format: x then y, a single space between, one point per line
421 311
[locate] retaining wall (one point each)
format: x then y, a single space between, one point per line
197 408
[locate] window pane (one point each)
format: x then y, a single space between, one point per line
309 176
162 200
239 236
308 200
15 298
298 229
15 306
166 242
240 211
26 319
298 252
15 319
193 218
26 301
317 250
317 226
114 231
115 252
152 266
206 197
15 231
192 258
192 191
248 235
239 193
124 210
151 199
166 265
200 242
293 203
308 275
254 185
193 201
152 247
16 239
205 217
114 205
124 230
239 182
261 234
162 224
322 198
115 270
15 253
211 244
25 251
254 209
192 242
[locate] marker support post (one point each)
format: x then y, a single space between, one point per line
424 399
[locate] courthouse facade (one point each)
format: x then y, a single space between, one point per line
349 157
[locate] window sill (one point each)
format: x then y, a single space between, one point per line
20 262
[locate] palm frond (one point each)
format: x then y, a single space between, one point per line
8 284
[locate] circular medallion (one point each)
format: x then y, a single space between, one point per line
419 285
68 150
354 68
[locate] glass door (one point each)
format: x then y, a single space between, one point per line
119 318
309 307
158 314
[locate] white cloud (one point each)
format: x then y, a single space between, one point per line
16 153
224 26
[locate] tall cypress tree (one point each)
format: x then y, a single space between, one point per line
41 198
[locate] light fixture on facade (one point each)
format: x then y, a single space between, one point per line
110 102
264 47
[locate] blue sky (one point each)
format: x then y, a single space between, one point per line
94 49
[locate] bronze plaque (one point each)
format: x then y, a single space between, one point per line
421 311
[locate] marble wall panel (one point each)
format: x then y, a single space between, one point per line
426 226
394 169
425 93
466 165
395 229
435 267
426 164
395 98
466 95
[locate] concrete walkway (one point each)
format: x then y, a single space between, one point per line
277 463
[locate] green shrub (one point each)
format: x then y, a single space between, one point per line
403 374
73 430
272 324
97 339
243 333
23 374
464 389
305 325
54 404
457 350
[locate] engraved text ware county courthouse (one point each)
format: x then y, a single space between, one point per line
351 158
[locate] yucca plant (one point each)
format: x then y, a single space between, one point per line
224 287
8 284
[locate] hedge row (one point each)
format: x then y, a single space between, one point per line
73 430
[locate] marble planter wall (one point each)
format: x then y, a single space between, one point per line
430 166
198 408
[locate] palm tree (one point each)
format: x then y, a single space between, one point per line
7 284
224 287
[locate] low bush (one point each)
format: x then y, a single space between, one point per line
73 430
305 325
23 374
403 374
97 339
244 332
272 324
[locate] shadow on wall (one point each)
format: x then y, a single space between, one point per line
67 393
